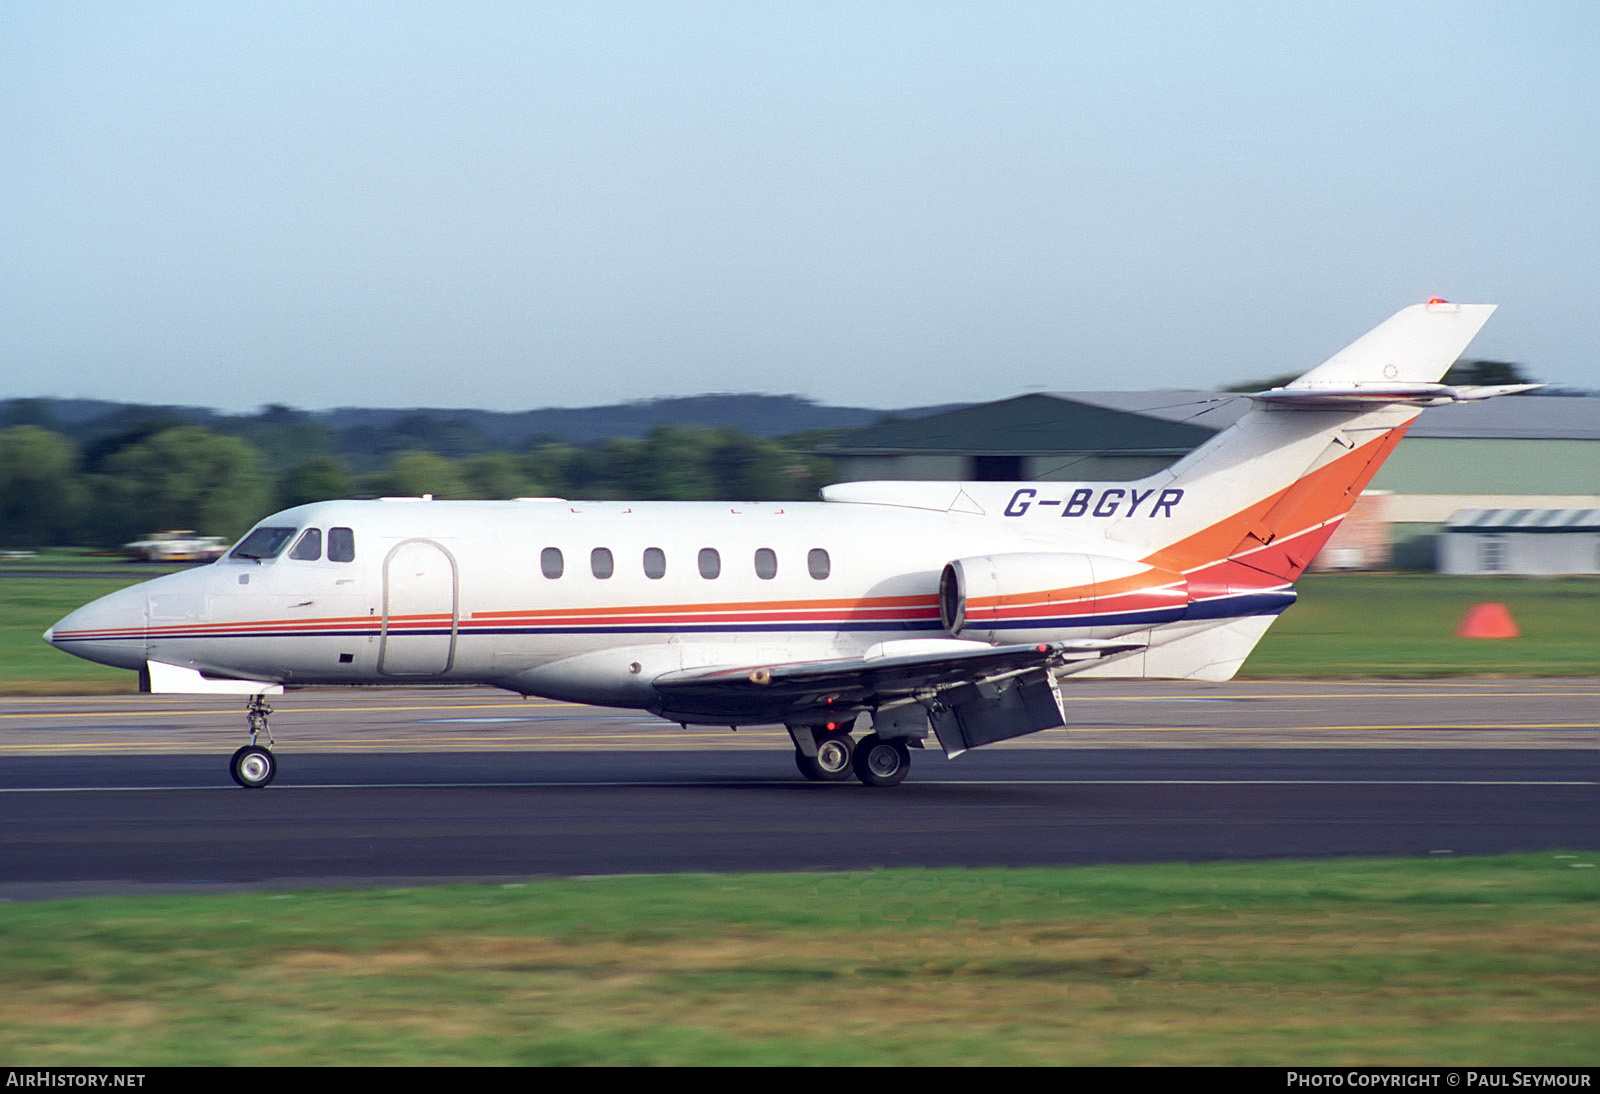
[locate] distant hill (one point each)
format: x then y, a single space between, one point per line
363 435
759 415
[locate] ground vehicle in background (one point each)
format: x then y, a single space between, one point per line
179 545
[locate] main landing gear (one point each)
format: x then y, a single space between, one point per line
254 766
882 761
832 763
875 760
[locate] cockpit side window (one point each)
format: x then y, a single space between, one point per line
309 548
263 543
341 545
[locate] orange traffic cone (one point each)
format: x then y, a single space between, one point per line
1488 621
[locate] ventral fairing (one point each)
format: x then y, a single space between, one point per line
950 610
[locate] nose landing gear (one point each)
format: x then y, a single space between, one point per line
254 766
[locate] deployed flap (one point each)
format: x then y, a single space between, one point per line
807 690
980 714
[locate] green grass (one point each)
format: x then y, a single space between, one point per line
1436 961
1404 625
1344 625
64 557
28 665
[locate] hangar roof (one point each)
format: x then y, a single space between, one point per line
1530 417
1041 424
1533 417
1524 520
1152 423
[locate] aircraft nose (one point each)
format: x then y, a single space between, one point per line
110 631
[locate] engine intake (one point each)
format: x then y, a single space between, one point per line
1040 596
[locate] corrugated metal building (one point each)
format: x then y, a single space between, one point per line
1521 541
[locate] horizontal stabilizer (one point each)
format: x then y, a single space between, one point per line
1383 394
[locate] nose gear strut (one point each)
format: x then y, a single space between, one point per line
254 766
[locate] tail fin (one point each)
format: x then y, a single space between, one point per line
1261 498
1277 484
1415 346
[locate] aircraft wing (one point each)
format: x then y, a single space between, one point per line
889 674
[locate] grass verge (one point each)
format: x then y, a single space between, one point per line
28 665
1335 962
1344 625
1403 625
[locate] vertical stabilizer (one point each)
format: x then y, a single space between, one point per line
1416 345
1267 492
1259 500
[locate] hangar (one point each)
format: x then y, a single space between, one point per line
1521 541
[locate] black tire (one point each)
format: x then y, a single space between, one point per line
833 761
253 767
880 762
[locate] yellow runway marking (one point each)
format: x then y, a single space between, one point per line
235 712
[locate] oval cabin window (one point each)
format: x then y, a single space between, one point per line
655 563
710 563
550 562
766 563
818 564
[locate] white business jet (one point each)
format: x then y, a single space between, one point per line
949 609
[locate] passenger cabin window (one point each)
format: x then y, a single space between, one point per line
817 563
766 563
341 545
309 549
601 564
655 563
550 562
263 543
710 563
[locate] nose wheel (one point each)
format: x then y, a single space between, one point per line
254 766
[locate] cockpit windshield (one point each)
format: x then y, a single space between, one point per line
262 543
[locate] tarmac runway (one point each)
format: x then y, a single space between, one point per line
130 793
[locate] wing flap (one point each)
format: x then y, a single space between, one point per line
885 675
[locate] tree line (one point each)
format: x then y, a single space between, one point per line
58 491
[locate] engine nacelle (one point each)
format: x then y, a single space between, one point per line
1040 596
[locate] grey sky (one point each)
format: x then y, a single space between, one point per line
519 204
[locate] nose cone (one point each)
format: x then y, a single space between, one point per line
110 630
